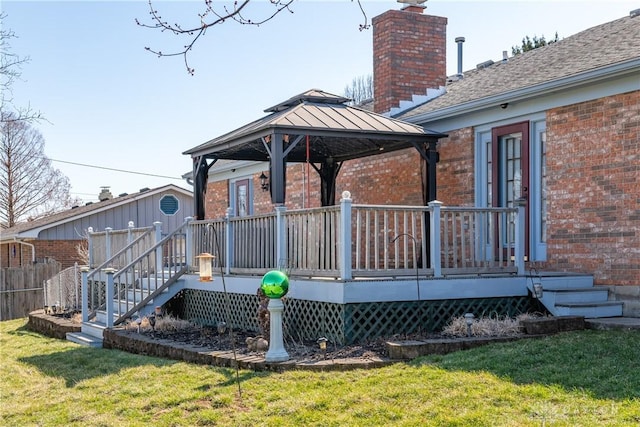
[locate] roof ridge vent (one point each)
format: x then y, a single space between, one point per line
634 13
484 64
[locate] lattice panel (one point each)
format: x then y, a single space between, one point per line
209 308
345 324
310 320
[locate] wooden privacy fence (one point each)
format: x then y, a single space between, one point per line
21 288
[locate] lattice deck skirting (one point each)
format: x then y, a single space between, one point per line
342 323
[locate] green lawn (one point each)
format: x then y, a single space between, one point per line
584 378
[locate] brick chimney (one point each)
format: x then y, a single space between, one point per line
409 55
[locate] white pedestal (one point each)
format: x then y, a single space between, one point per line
276 352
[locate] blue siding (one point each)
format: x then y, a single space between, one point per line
143 212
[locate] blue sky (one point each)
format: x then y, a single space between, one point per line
110 103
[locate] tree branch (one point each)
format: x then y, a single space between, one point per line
211 17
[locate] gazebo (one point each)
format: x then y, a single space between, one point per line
319 128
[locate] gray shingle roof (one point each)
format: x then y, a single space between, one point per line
80 211
597 47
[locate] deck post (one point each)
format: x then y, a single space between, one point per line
228 241
85 293
129 240
109 297
158 226
434 227
90 246
281 244
107 243
345 237
188 243
520 239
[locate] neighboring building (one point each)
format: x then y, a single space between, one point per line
558 126
58 236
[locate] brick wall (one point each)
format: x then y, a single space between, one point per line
216 199
14 255
593 194
455 177
63 251
409 55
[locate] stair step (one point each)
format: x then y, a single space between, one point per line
84 339
579 295
590 309
95 329
566 282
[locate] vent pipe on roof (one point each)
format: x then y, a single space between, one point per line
460 40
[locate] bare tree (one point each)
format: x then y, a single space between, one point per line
216 13
10 71
360 89
30 187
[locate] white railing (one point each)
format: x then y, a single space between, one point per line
432 240
477 240
312 239
389 239
125 290
117 255
103 245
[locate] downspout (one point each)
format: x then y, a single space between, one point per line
33 249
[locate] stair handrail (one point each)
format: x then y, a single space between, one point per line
88 275
119 253
172 277
165 239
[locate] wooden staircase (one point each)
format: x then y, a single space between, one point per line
110 296
575 295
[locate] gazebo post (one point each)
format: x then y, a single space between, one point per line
278 170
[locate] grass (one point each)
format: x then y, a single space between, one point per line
581 378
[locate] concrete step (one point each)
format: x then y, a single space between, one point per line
590 310
578 295
84 339
566 282
609 323
94 329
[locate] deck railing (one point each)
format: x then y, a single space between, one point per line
103 245
115 249
347 241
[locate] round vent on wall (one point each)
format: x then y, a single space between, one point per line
169 204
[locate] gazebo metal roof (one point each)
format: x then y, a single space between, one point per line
336 130
315 127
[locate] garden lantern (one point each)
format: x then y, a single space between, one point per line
468 317
322 342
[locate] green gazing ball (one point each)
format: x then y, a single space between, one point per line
275 284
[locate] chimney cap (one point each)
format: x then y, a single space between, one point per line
460 39
413 2
415 6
